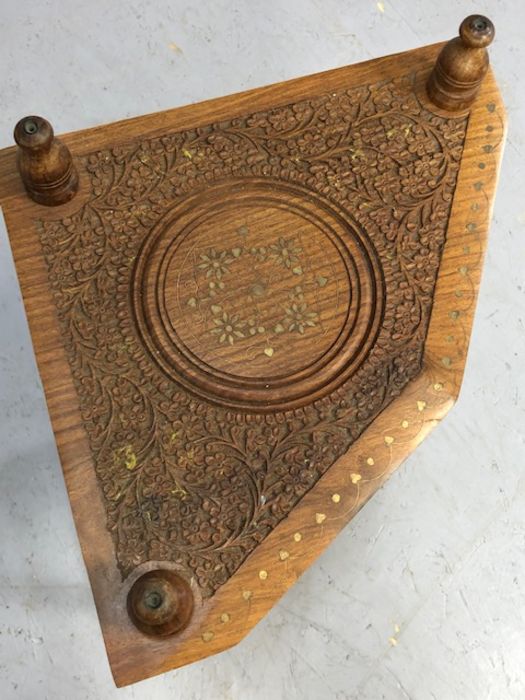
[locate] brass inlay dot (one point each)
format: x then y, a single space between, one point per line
247 595
320 518
355 478
297 537
207 636
283 554
389 439
336 498
370 461
263 575
225 617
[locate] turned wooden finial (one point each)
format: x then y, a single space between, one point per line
160 603
462 65
44 163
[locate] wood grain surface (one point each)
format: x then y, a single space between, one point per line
251 312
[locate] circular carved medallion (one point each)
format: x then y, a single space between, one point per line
258 294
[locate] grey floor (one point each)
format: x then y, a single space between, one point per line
423 595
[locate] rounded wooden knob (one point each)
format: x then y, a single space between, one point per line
34 133
44 163
462 65
160 603
477 31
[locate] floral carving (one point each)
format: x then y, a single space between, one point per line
189 481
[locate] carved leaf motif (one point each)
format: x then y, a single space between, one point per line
188 481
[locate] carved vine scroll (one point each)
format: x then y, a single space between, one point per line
190 477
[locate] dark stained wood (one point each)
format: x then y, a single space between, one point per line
44 163
253 310
462 65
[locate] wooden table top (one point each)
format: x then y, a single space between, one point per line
249 314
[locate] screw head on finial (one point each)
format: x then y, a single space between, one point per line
477 31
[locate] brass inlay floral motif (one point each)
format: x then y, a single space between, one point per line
219 270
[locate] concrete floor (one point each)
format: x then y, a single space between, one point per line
437 559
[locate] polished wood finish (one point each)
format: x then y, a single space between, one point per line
238 305
199 448
160 603
462 65
44 163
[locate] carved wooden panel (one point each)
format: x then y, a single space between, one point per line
250 312
239 301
